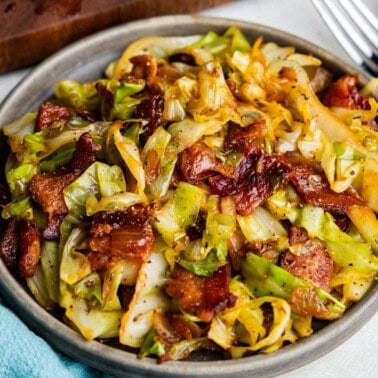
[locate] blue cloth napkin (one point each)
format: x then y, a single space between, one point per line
25 354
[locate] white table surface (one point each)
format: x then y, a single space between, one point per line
357 357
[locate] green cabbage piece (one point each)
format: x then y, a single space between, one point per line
74 265
179 212
21 205
50 268
92 322
130 154
61 157
261 225
20 127
149 296
204 267
232 40
22 208
77 94
124 103
82 301
39 289
151 346
207 255
99 179
89 288
185 133
115 202
19 177
158 142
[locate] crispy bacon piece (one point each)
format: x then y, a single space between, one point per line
240 138
268 250
9 244
297 235
120 235
47 188
83 156
144 66
256 175
151 110
198 162
344 93
30 248
312 185
49 113
313 263
201 296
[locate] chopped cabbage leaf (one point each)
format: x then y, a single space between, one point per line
149 297
179 212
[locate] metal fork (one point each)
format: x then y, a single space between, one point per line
355 27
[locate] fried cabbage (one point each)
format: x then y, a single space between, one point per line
224 170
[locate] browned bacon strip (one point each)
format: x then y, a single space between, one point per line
313 263
312 185
198 162
49 113
144 66
240 138
120 235
256 175
201 296
47 188
151 109
30 248
83 156
297 235
344 93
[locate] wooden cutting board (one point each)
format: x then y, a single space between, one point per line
31 30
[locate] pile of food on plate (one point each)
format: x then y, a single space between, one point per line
204 194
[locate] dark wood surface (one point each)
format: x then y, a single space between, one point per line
31 30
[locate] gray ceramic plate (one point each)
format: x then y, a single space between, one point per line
86 60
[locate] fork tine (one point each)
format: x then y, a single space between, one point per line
361 51
368 14
363 18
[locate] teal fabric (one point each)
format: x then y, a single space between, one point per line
25 354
